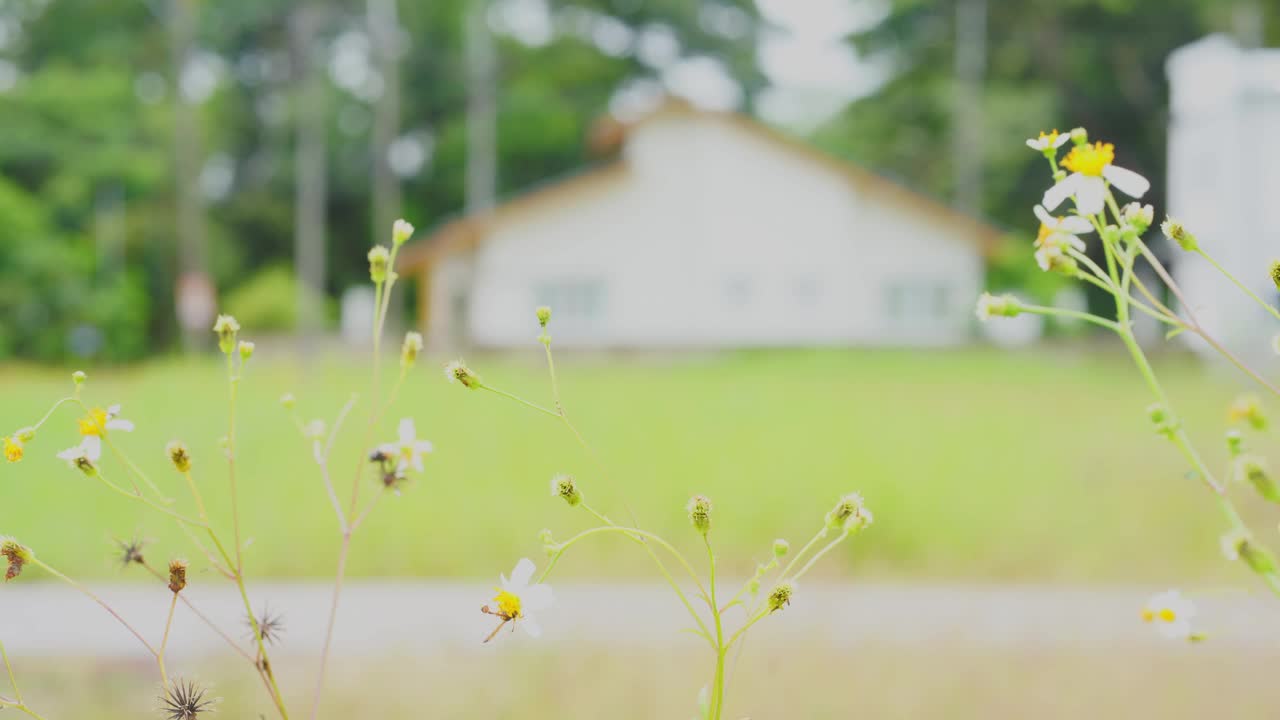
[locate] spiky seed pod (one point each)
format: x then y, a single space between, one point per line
184 700
17 556
179 456
700 513
563 486
177 575
780 596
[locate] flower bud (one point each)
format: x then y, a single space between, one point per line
246 350
1248 408
179 456
1164 423
1274 271
1138 216
563 486
1079 136
410 348
549 545
401 231
700 513
288 401
780 595
544 315
1235 443
85 465
379 257
314 429
16 555
457 371
226 328
177 576
781 547
990 306
13 449
1176 232
26 434
78 377
1261 480
850 514
1052 258
1239 545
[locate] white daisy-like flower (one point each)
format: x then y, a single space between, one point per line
409 449
1171 613
99 421
1091 171
88 451
517 601
1048 141
990 306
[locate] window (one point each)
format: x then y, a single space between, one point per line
738 291
576 302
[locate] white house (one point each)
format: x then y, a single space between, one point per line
1224 178
706 230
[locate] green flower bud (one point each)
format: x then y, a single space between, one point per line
1079 136
780 596
1176 232
1164 423
226 328
179 456
850 513
544 315
1275 273
700 513
288 401
563 486
1239 545
458 372
26 434
1261 480
781 547
379 257
410 349
78 377
246 350
1138 216
548 541
990 306
401 231
1235 443
1248 408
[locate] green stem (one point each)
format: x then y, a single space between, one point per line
164 642
89 594
13 680
786 571
818 555
1228 275
521 400
1064 312
147 501
717 696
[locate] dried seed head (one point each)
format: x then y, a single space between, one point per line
270 626
177 575
130 551
563 486
780 595
184 700
700 513
410 349
457 371
17 556
850 513
179 456
1274 271
1177 232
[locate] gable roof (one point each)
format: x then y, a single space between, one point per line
467 231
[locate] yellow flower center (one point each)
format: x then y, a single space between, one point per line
1148 615
1090 159
95 423
508 604
1167 615
12 450
1048 139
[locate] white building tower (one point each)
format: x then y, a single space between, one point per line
1224 183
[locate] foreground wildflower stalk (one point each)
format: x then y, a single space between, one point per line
382 273
17 703
517 598
1120 231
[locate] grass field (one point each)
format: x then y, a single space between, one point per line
978 464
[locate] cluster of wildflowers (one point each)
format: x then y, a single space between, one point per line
526 593
99 439
1087 177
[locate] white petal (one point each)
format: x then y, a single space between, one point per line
389 449
1127 181
70 453
1075 225
1062 140
523 573
122 425
92 447
423 446
113 411
531 626
1178 629
1054 196
1034 144
1044 217
1075 242
504 584
407 431
417 463
537 597
1091 195
1042 259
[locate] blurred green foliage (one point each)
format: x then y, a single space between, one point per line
87 178
267 301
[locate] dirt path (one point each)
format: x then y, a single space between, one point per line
415 619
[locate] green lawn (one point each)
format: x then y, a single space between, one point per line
978 464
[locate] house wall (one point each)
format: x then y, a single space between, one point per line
1224 174
711 235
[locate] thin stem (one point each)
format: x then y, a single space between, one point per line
21 708
818 555
13 679
204 618
1269 308
147 501
232 382
164 642
333 617
786 571
693 575
717 695
53 409
89 594
522 401
323 461
1064 312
